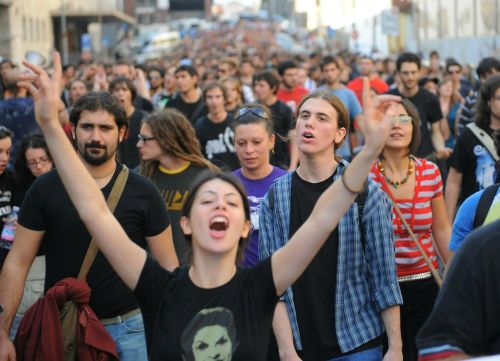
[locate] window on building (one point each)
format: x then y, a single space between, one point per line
25 29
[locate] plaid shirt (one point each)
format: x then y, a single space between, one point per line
366 279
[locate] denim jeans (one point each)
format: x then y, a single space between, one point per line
129 338
372 354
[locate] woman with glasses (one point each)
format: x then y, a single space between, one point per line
254 141
171 158
32 160
216 221
414 185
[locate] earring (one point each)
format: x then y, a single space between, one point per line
272 150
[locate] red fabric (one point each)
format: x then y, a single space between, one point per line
438 355
39 337
356 85
293 97
417 212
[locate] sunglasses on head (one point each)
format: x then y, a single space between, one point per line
259 112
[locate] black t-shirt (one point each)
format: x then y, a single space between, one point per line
129 154
174 188
143 104
282 123
217 142
314 291
475 163
232 320
47 207
7 186
466 312
429 111
192 111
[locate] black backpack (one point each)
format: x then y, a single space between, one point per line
484 205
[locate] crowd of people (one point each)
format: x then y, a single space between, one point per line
277 207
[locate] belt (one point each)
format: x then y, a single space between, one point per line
121 318
415 277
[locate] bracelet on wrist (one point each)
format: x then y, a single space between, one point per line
344 183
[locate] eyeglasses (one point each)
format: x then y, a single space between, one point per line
144 138
259 112
402 119
35 162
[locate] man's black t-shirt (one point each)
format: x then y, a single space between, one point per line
466 314
129 154
47 207
192 111
143 104
217 142
185 322
474 162
282 123
429 111
314 291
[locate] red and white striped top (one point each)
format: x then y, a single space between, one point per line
418 214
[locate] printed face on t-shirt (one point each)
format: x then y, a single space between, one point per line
209 336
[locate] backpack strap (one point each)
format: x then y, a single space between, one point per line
113 198
485 139
484 204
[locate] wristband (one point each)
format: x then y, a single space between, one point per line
347 187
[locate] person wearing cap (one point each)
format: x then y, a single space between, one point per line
430 83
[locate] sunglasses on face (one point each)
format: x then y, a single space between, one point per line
259 112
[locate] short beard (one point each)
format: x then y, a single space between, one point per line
92 159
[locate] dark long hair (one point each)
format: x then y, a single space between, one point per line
22 172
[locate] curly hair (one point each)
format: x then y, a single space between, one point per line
176 137
483 110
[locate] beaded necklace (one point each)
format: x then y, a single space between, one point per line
393 183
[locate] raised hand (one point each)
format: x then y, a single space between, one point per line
44 90
378 115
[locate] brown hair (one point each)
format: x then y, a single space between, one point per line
214 85
415 119
176 137
343 120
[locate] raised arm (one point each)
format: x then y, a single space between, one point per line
290 261
81 188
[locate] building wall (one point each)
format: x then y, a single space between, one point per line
26 26
467 30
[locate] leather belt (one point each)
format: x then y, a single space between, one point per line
121 318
